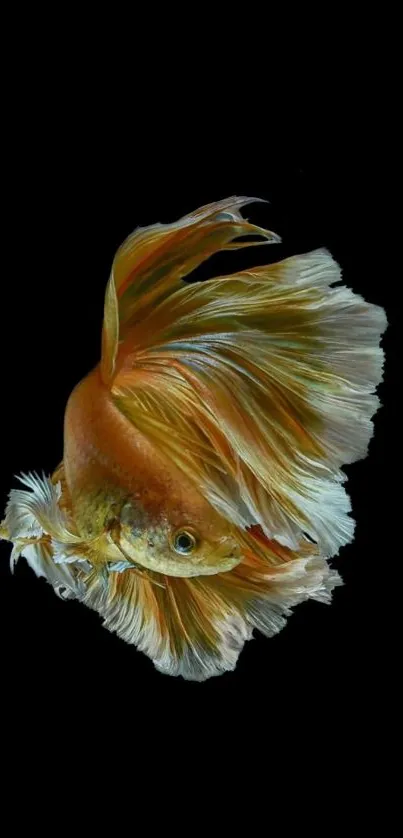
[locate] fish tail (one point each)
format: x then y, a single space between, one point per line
151 264
259 385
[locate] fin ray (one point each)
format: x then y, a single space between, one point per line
151 263
197 627
266 377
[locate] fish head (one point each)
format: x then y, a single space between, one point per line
182 540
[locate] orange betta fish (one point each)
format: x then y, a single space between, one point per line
201 493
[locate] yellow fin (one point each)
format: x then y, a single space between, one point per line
197 627
151 263
260 386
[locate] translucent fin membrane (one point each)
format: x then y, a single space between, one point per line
259 385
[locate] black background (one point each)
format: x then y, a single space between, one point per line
73 200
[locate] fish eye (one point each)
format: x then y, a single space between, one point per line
184 542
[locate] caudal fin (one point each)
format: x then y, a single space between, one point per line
151 263
259 385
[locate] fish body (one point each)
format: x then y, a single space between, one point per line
117 477
201 494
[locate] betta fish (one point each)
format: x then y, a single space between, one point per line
201 494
